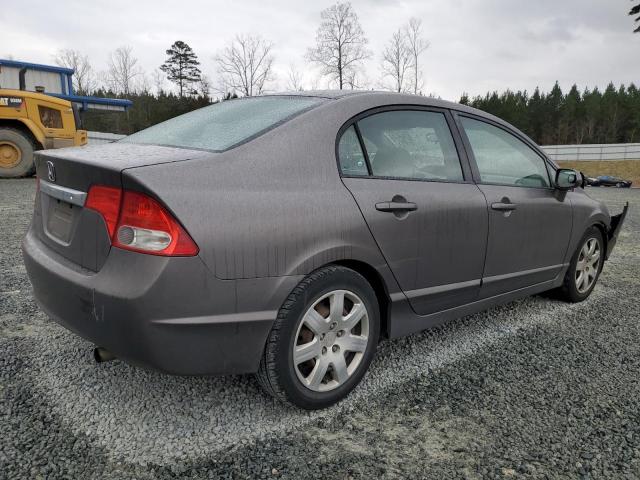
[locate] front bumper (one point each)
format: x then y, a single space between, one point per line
169 314
614 229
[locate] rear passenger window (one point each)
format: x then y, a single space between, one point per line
502 158
352 161
411 144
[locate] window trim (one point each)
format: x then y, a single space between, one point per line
363 149
472 159
465 166
365 155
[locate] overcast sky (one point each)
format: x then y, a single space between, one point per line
476 45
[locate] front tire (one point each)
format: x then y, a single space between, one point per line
16 154
586 265
323 340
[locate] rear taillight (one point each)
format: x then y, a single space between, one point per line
105 201
139 223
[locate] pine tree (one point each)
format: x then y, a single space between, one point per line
633 104
593 106
635 10
553 107
610 126
182 66
571 130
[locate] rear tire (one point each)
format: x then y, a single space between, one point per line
316 355
584 270
16 153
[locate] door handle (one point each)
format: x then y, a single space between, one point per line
503 207
396 206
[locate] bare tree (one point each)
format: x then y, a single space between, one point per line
245 65
417 45
204 86
294 79
353 80
397 61
158 77
340 43
122 70
143 84
315 82
84 78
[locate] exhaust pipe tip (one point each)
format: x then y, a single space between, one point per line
101 355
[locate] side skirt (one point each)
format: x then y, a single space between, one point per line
403 320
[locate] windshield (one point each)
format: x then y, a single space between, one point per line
226 124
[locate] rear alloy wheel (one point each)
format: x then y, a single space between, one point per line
331 340
585 267
323 340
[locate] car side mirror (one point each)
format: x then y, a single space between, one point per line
566 179
583 180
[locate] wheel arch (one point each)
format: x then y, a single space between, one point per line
605 239
379 286
586 217
600 220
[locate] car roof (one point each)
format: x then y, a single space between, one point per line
389 98
376 98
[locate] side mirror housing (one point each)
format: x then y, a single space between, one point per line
583 180
566 179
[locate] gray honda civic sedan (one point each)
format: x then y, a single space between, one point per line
284 235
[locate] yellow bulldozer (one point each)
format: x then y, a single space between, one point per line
39 110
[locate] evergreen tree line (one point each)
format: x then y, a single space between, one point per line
553 118
577 117
147 109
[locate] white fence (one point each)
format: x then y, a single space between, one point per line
594 152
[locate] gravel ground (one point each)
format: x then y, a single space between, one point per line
533 389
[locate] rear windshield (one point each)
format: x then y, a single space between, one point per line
226 124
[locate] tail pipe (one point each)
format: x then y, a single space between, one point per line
102 355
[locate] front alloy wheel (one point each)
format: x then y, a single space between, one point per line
588 265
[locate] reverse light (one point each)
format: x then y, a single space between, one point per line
137 222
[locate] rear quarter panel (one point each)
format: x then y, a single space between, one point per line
273 207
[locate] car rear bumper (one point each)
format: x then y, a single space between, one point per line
614 229
169 314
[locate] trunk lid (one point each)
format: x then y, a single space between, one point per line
66 175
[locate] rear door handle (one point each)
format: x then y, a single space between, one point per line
396 206
503 207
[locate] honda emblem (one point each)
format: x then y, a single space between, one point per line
51 171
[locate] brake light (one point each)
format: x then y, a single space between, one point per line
140 223
105 201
